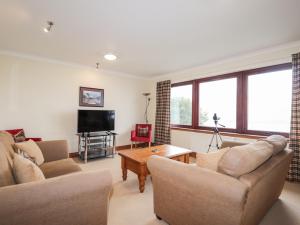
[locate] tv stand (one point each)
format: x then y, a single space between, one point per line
96 145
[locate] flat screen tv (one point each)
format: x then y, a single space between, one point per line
95 120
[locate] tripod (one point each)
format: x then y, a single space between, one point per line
216 136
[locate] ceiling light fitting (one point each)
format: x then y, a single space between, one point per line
97 65
49 27
110 57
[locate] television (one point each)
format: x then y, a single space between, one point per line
95 120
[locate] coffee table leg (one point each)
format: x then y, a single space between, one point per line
124 169
142 179
187 158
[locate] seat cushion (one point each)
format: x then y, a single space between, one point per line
244 159
25 170
6 173
32 150
211 159
59 167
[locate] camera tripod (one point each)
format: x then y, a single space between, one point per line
217 137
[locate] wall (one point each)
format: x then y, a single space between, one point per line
265 57
42 97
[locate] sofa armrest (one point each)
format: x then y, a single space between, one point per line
133 134
186 194
231 144
54 150
79 198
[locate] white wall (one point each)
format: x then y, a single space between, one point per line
42 96
262 58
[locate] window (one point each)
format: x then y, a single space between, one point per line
255 101
181 105
218 97
269 101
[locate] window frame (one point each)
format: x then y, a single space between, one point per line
242 100
184 84
257 71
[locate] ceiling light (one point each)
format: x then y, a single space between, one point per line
110 57
48 28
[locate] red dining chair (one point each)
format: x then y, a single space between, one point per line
142 133
19 135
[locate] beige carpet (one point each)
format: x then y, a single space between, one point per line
130 207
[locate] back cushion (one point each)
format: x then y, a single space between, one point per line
244 159
32 150
6 174
26 171
143 131
211 159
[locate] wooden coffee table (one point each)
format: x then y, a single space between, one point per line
136 160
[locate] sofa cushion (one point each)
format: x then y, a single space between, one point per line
143 132
25 170
19 136
244 159
6 174
279 143
59 167
8 141
211 159
32 150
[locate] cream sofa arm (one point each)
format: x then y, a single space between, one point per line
231 144
54 150
78 198
190 195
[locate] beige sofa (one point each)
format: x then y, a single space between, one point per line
68 196
186 194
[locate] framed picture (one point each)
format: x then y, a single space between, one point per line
91 97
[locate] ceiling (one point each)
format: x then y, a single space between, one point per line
149 37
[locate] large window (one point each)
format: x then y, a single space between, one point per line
251 102
269 101
181 105
218 97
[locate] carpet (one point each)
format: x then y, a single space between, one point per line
130 207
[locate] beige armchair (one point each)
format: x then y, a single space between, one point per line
68 195
191 195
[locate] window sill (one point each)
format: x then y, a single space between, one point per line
227 134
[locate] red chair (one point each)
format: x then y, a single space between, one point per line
142 133
19 135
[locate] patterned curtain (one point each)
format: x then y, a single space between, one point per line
294 172
162 119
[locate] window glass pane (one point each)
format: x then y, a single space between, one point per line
181 105
269 101
218 97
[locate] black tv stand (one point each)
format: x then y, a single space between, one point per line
96 145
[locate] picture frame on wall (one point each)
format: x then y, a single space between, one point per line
91 97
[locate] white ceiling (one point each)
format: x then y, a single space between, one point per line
149 37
